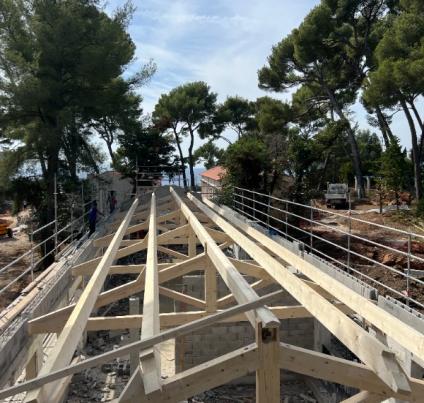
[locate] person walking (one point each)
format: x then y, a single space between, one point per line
92 218
112 202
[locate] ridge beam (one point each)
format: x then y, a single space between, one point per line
150 360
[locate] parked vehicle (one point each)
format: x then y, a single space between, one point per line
5 229
337 195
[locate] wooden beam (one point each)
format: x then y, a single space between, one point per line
124 269
229 298
133 389
250 269
232 278
172 319
172 253
192 243
268 371
218 236
343 372
211 287
405 335
68 339
150 360
143 215
105 240
206 376
179 296
139 345
369 350
129 250
43 323
363 397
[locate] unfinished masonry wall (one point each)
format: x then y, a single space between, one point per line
209 343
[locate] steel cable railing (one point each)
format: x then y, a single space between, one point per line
263 209
33 251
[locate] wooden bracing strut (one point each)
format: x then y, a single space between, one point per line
202 231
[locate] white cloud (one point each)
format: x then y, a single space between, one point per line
222 42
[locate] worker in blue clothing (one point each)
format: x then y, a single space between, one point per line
92 218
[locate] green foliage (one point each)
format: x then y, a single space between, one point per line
237 114
208 154
59 60
327 58
246 162
272 116
183 112
394 168
370 148
142 146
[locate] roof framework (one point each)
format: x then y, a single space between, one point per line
179 219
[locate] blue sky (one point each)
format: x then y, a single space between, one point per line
222 42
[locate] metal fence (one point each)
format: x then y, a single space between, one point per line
341 244
63 238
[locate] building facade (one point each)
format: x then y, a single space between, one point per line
211 181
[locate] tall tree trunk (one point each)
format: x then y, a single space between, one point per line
180 152
415 149
273 181
324 170
47 215
356 159
111 153
385 129
420 123
191 159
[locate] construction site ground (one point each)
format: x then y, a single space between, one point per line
403 219
10 249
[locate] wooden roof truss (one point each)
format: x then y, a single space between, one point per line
184 219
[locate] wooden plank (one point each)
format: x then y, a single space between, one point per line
268 371
139 345
105 240
43 323
173 319
144 206
129 250
206 376
218 236
150 361
369 350
343 372
192 244
131 392
229 298
363 397
172 252
115 269
179 296
250 269
211 287
42 281
68 339
232 278
405 335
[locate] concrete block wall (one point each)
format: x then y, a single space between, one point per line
214 341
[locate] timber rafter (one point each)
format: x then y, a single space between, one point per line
183 234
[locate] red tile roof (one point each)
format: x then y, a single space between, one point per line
215 173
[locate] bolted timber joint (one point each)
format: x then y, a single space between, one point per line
269 335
